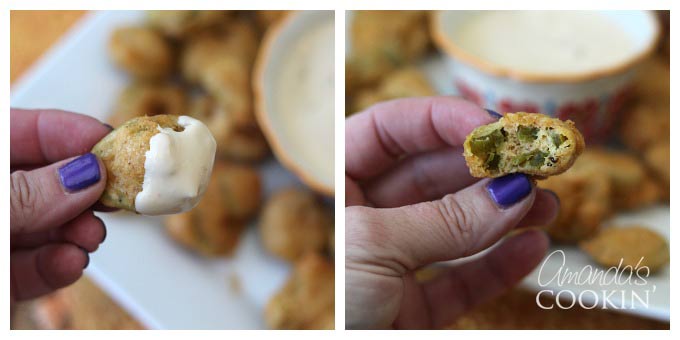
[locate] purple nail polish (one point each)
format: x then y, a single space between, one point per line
509 189
80 173
494 114
108 126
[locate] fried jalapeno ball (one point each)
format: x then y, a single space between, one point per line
407 82
234 142
294 222
382 41
142 52
148 99
214 227
307 300
182 24
632 246
156 165
530 143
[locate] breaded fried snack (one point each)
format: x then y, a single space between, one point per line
307 301
234 141
632 185
214 227
181 24
293 223
585 202
633 246
406 82
156 165
142 52
148 99
530 143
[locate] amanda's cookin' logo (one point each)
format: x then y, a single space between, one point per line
616 283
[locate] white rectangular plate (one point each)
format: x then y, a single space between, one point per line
162 285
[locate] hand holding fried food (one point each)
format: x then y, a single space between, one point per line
156 165
529 143
633 246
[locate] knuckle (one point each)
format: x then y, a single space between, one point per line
23 197
461 221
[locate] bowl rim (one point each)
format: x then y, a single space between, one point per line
261 62
452 50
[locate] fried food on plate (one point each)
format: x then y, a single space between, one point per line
142 52
658 160
632 185
406 82
530 143
295 222
307 301
181 24
214 227
148 99
234 142
585 202
634 246
382 41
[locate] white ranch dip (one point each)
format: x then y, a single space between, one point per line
545 42
305 93
177 168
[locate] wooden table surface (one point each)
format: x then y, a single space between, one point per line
33 32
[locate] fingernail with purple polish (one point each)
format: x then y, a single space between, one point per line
494 114
509 189
108 126
80 173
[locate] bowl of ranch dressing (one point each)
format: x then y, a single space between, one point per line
574 65
294 86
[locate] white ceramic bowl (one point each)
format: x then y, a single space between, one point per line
591 99
302 138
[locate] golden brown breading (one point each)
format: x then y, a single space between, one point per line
214 226
142 52
629 245
406 82
181 24
293 223
236 40
382 41
530 143
585 202
148 99
648 120
234 142
123 152
658 160
265 19
307 301
632 186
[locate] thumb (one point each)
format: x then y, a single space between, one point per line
458 225
53 195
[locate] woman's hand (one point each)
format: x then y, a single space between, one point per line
411 202
54 183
